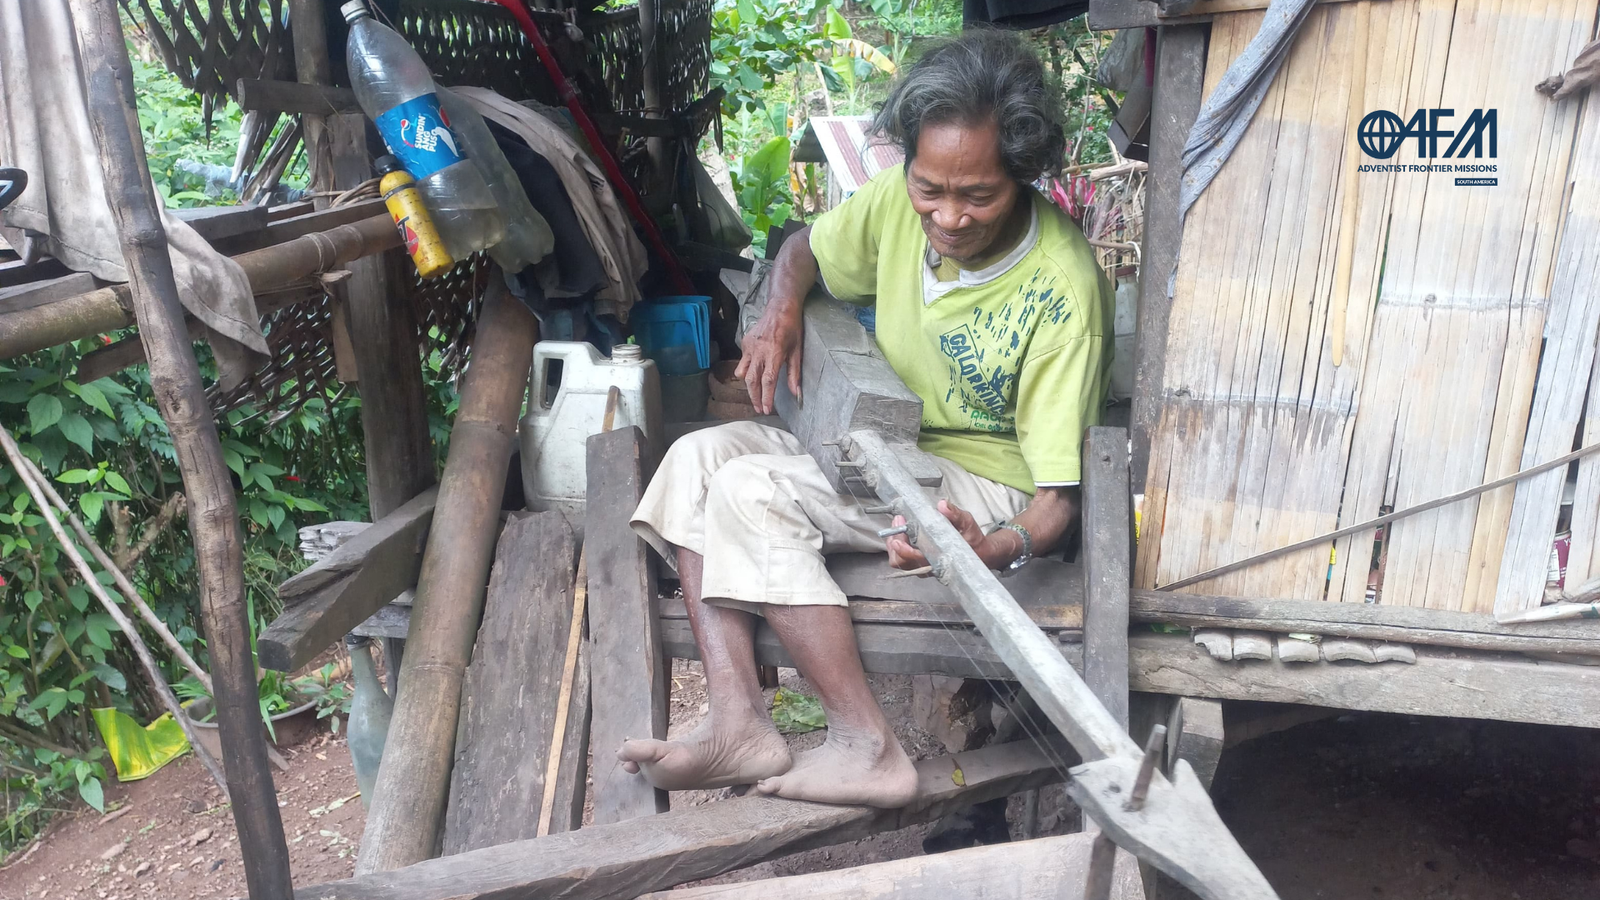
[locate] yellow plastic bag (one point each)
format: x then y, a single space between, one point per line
138 752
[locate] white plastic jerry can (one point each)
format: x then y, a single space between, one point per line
567 404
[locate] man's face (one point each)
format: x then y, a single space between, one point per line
959 188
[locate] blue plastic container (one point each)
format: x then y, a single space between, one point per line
673 321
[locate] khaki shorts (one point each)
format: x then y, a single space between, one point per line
757 507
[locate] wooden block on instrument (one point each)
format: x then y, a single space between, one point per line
509 699
1294 650
846 386
1336 649
1052 868
626 661
347 586
1252 645
1217 641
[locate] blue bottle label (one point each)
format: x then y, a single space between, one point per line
418 134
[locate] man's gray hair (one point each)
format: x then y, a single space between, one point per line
983 74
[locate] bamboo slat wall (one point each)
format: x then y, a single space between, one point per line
1263 440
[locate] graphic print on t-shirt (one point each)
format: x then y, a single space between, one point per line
984 355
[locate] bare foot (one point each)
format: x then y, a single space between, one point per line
710 757
859 770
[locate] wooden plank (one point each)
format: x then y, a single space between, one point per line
637 856
1441 683
1107 539
1180 68
1583 560
347 586
299 226
508 702
38 293
1565 365
294 97
886 650
626 662
216 223
1054 868
1107 15
848 386
1416 625
1065 621
1045 582
1195 735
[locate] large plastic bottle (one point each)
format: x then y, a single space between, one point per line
555 433
528 236
396 91
370 710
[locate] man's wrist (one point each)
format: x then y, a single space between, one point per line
1000 548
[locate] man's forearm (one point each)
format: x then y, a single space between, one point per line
1047 518
793 275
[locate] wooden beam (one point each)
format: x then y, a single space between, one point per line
1408 624
887 650
508 704
1107 578
40 293
1180 71
269 269
347 586
626 665
414 780
1044 583
294 97
216 223
1053 868
653 853
848 386
1440 683
1066 622
1107 15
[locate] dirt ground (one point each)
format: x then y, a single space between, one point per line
1362 807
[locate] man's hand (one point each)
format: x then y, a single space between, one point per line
904 556
775 343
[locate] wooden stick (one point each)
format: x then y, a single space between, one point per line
569 671
1380 520
33 482
175 379
129 592
1352 189
414 779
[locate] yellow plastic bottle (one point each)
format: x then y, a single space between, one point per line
421 238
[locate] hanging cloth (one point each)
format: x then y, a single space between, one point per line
607 227
44 130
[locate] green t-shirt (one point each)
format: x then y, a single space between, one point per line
1012 362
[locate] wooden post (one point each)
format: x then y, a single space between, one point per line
626 662
175 378
414 781
1107 543
655 147
394 409
1180 69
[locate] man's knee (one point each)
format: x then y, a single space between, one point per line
709 449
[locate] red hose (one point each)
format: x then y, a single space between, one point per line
569 96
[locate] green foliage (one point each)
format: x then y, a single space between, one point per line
796 713
756 42
763 185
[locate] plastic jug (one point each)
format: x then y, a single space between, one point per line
564 410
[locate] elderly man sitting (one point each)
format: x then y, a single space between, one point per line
990 306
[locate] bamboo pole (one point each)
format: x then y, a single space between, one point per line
34 481
175 378
414 779
269 269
